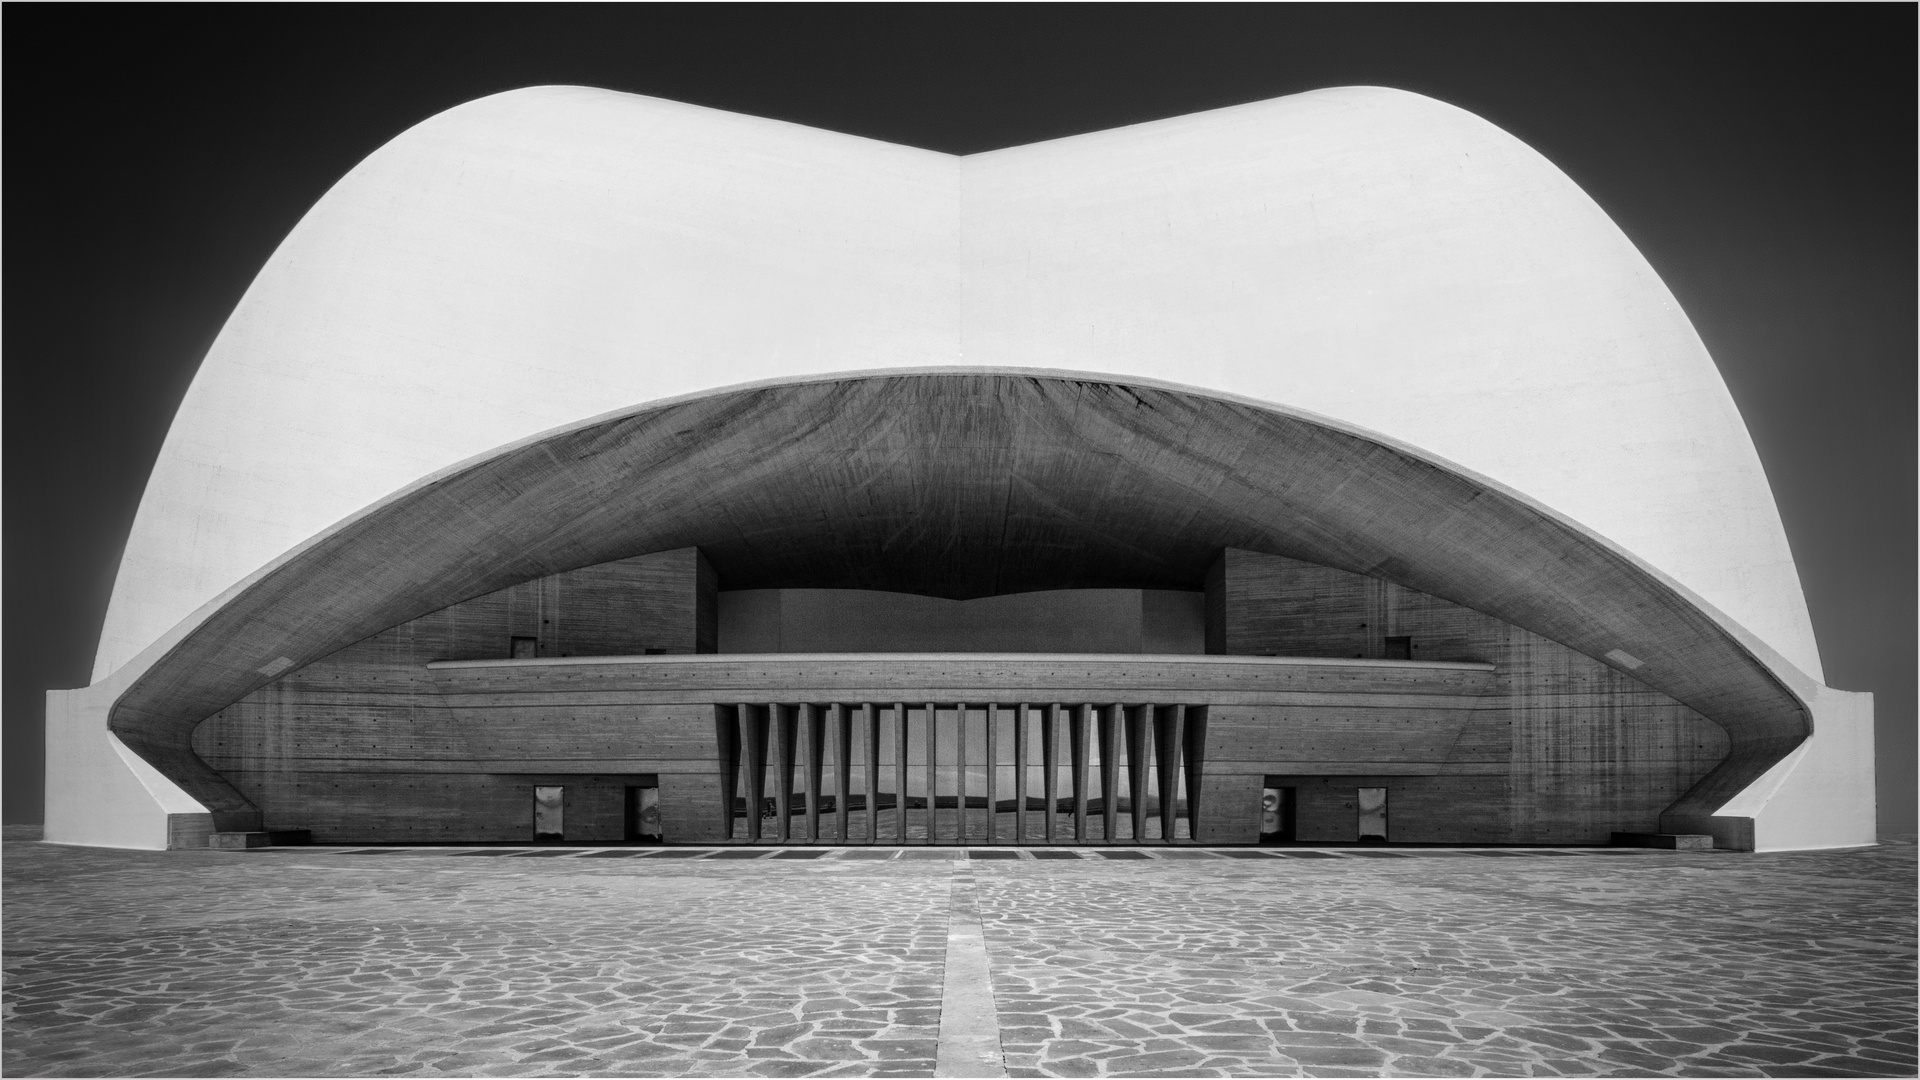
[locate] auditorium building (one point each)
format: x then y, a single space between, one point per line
594 469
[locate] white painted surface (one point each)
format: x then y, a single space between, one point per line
515 264
1403 265
99 793
1822 795
529 259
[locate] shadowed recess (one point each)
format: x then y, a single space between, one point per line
958 485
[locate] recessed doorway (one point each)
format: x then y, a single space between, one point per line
549 814
643 814
1371 807
1277 815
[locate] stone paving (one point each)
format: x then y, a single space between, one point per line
1188 962
1701 965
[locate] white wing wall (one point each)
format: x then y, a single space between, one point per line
1403 265
515 264
533 258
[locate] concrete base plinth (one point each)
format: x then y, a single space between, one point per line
1672 841
237 841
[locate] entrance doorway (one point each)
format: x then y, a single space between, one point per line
643 814
549 814
1277 815
1371 807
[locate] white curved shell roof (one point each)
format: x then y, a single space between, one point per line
530 259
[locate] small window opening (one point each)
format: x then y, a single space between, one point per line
1399 648
525 648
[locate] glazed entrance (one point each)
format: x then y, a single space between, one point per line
961 773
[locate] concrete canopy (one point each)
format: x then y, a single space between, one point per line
960 485
1397 265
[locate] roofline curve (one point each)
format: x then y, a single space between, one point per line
141 700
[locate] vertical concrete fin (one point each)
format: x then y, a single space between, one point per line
842 770
993 773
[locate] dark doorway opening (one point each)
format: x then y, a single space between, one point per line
1277 815
643 814
1371 807
549 814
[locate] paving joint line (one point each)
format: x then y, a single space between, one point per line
969 1043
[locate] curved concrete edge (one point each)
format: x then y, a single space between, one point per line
1792 677
99 793
1819 796
1788 808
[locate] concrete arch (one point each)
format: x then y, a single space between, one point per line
962 483
529 258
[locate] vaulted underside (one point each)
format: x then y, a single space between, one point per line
962 485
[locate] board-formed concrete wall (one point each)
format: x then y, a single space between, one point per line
361 746
1549 747
1051 621
663 603
1579 749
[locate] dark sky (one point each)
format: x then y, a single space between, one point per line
1761 157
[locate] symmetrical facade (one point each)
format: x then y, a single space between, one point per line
598 468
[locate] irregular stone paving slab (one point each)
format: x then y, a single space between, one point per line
314 962
140 963
1708 964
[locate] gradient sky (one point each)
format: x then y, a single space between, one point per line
1763 158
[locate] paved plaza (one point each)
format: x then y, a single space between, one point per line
917 962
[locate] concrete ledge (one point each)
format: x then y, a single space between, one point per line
1671 841
1132 659
236 841
1729 831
